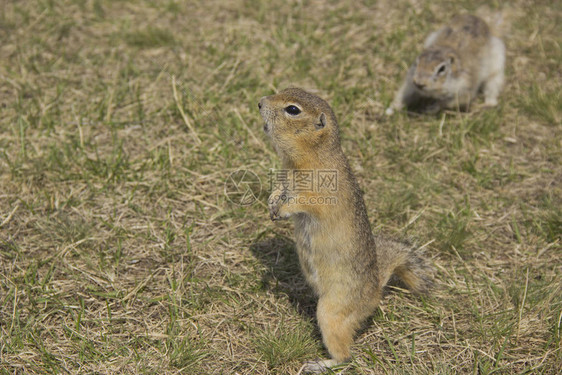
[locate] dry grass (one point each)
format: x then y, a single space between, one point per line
119 252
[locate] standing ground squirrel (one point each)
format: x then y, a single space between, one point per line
341 259
457 61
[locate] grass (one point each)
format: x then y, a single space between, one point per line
120 252
288 345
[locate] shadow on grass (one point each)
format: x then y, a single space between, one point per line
283 275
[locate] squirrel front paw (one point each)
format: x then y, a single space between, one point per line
277 203
432 108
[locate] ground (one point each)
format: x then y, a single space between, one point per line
123 249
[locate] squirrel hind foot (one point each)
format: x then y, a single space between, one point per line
318 366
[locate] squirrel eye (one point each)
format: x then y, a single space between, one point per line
441 70
292 110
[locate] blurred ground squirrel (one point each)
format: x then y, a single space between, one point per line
345 264
457 62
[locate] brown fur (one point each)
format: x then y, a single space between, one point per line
458 61
345 264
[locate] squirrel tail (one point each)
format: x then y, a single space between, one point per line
405 261
498 20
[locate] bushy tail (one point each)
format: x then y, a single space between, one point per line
405 261
497 20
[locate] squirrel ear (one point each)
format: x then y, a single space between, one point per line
322 121
451 59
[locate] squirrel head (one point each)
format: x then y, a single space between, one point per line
300 125
435 69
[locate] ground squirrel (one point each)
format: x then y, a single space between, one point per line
457 61
341 259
